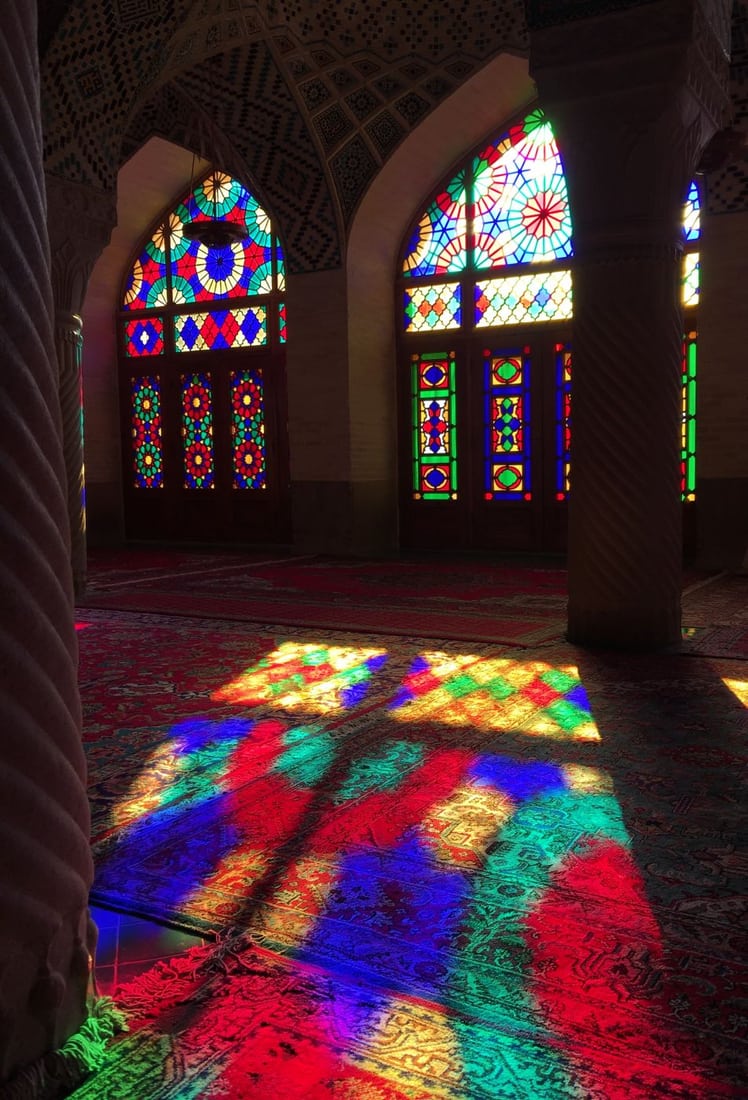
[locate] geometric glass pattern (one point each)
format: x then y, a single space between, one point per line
521 299
438 244
200 274
248 429
433 426
145 424
282 321
692 213
690 279
146 286
688 419
432 308
563 418
144 336
222 328
197 431
520 204
506 455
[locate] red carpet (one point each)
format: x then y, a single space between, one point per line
482 601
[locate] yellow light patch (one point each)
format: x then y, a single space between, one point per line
159 772
739 688
414 1039
460 829
584 780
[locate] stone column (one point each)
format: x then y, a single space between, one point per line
45 861
634 95
80 220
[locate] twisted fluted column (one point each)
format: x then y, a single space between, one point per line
634 95
45 864
80 221
69 344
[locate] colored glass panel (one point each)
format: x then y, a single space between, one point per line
282 322
433 308
688 420
223 328
197 431
692 213
146 287
248 430
145 424
523 299
520 203
280 266
506 388
144 337
563 418
438 244
690 281
434 426
201 274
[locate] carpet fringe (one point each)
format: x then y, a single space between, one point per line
59 1073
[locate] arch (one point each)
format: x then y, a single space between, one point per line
485 357
498 90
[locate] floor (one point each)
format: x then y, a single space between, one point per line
128 946
619 921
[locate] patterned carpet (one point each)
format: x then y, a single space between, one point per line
433 870
482 601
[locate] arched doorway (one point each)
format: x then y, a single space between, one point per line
202 334
485 312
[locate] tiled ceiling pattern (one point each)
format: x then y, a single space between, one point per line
270 137
727 188
314 95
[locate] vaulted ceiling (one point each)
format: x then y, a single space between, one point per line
311 97
308 98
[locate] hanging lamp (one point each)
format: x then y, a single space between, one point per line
215 232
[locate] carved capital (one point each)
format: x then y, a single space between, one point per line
80 220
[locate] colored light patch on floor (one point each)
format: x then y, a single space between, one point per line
460 829
316 679
189 765
739 688
530 697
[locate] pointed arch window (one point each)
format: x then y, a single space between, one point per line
488 258
181 298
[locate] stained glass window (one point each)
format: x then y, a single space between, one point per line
146 287
222 328
438 244
562 355
521 299
183 297
692 213
520 205
173 270
433 426
145 419
688 425
502 228
507 457
197 431
248 430
144 336
433 308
